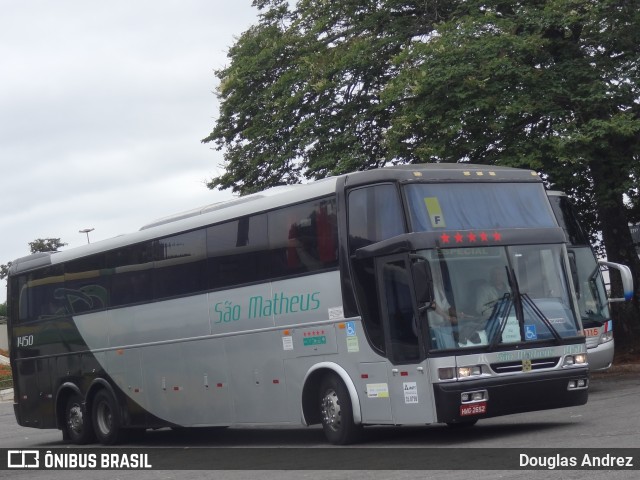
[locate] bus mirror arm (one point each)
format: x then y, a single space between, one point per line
574 272
627 280
421 282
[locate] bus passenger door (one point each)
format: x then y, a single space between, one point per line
409 388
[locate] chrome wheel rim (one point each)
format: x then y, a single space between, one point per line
331 414
76 418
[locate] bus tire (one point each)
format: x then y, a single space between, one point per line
77 428
336 412
106 418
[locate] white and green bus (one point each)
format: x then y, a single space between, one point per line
408 295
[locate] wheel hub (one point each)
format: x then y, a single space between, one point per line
76 420
331 414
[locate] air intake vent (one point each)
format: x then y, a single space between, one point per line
513 367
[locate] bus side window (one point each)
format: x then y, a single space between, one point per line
375 214
86 284
41 292
237 252
303 238
403 334
179 263
131 279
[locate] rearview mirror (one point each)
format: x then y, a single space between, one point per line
421 281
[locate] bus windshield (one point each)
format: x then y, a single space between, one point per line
491 296
592 297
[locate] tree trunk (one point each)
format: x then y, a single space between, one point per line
618 243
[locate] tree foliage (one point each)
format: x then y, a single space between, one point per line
38 245
327 87
46 245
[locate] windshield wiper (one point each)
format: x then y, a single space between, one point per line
531 304
518 301
517 298
499 314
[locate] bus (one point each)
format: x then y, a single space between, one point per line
589 284
405 295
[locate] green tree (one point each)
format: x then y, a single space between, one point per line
46 245
38 245
3 309
301 96
330 87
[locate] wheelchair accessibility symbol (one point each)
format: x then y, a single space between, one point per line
351 329
530 332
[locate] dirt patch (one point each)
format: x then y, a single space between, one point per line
630 356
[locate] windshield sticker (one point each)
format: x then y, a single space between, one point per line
410 392
511 332
377 390
530 332
435 212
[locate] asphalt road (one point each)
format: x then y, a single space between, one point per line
609 421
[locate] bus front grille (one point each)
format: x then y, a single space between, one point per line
519 366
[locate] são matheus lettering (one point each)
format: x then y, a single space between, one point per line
260 306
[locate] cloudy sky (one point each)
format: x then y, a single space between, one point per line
102 109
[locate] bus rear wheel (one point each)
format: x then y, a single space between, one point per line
106 419
77 423
336 412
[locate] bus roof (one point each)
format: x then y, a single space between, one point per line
277 197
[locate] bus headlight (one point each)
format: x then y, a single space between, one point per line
466 372
578 359
606 337
451 373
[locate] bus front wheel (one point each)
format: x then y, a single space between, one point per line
106 419
77 423
336 412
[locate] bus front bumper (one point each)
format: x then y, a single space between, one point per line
520 393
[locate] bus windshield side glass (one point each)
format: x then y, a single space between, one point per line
592 297
434 207
475 300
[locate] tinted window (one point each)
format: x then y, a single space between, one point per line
568 220
402 325
41 294
179 264
86 284
238 252
131 277
467 206
375 214
303 238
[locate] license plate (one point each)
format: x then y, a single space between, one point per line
591 332
473 409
